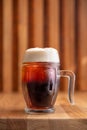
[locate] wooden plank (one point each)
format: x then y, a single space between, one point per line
46 23
68 34
76 42
67 44
65 117
63 109
54 27
7 45
43 124
30 23
15 47
1 45
22 32
82 45
38 23
67 125
3 124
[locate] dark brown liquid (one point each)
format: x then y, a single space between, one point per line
40 84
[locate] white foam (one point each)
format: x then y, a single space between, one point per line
41 55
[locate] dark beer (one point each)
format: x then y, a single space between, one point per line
40 79
40 84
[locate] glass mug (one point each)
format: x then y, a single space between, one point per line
40 79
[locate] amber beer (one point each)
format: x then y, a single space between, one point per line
39 80
40 84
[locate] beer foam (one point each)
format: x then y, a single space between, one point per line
41 55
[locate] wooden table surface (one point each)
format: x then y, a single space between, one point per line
65 117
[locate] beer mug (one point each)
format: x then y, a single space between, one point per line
40 79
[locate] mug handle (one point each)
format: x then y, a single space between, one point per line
71 83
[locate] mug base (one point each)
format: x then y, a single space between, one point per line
32 111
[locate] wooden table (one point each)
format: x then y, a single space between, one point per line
66 117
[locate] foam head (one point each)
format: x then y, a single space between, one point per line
41 55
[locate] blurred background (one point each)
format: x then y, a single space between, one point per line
61 24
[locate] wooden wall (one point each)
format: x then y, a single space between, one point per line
61 24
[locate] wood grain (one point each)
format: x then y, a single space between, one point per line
7 45
38 23
1 45
15 47
67 49
54 29
65 117
30 23
22 33
82 45
46 23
